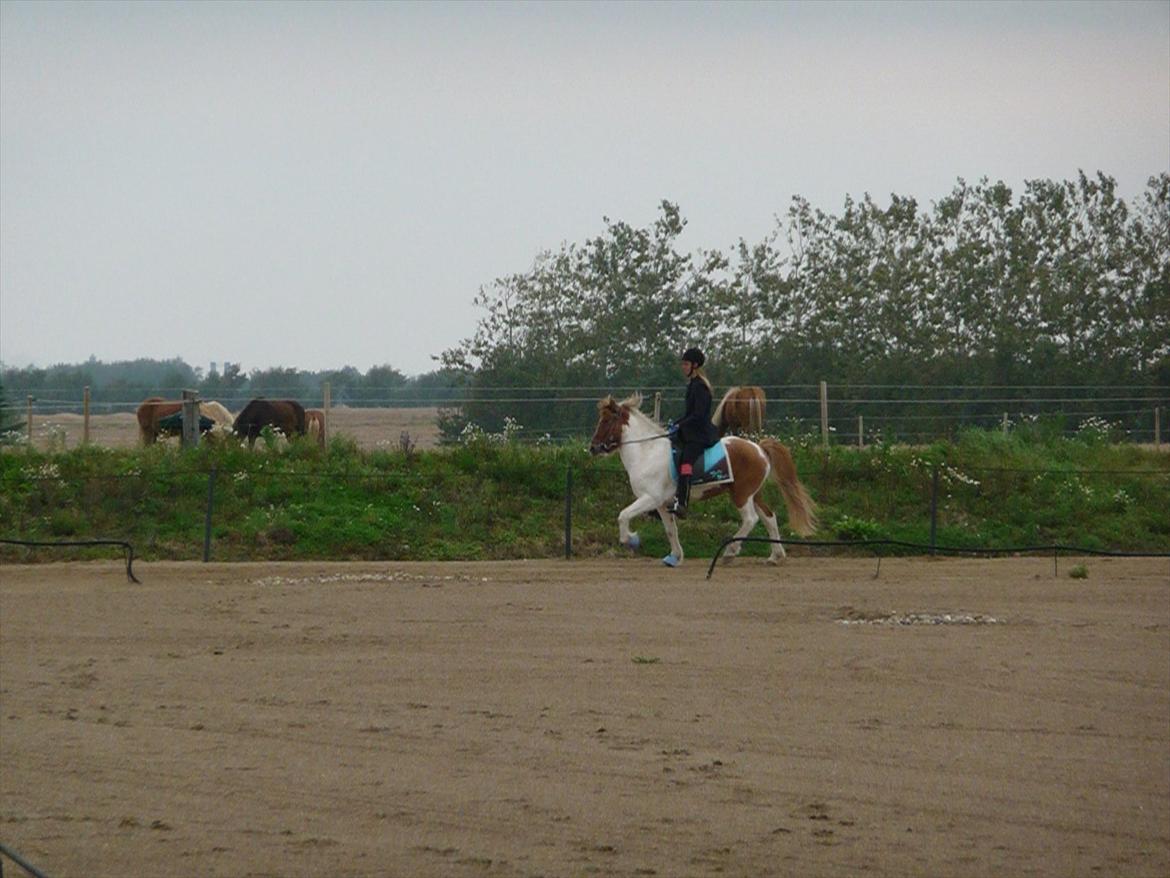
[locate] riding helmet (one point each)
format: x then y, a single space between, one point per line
693 355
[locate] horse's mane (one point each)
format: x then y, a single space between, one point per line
632 404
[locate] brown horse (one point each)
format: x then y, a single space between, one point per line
740 411
152 411
286 415
645 452
315 422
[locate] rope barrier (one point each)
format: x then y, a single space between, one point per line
945 550
6 851
125 545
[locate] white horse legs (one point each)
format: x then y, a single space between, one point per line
670 525
778 554
625 535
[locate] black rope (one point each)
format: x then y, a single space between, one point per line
20 861
945 550
125 545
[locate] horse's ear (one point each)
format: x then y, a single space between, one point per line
607 404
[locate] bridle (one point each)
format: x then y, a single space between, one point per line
613 444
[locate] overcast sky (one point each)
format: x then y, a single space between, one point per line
325 184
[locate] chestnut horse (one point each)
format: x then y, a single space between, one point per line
286 415
315 422
645 453
740 411
154 409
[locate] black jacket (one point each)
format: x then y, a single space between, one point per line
695 426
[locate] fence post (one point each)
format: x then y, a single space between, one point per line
568 511
860 431
933 509
1005 423
190 418
31 400
326 401
207 517
657 405
1157 426
824 414
85 417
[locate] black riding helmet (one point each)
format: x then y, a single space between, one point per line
693 355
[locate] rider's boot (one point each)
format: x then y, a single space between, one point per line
679 508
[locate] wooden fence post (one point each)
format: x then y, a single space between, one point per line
85 417
30 402
1157 426
190 418
824 414
1005 423
860 431
657 405
326 402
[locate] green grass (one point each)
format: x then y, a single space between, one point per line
497 500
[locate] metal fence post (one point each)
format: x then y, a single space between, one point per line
568 511
933 510
207 517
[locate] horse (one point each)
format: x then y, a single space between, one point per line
156 418
740 411
315 422
645 451
286 415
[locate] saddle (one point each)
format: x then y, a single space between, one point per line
713 468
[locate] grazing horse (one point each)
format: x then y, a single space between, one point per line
286 415
315 422
740 411
156 418
646 454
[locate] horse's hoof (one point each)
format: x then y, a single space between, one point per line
634 543
727 559
671 561
774 562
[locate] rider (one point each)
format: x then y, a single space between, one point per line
694 430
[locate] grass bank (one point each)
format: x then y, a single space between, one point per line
494 499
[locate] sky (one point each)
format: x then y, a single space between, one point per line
319 185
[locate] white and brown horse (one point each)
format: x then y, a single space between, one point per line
645 453
740 411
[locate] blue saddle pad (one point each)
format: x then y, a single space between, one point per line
713 467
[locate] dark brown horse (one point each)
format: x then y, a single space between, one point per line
286 415
740 411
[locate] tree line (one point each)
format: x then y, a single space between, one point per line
1064 284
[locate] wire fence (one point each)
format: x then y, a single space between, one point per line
838 413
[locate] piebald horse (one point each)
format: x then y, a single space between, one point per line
645 453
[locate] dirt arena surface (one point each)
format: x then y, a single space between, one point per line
370 428
610 717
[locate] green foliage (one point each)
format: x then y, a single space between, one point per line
490 498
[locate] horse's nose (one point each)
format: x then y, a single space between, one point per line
595 448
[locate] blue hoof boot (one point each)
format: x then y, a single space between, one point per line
670 561
635 542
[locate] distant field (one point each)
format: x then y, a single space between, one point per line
369 427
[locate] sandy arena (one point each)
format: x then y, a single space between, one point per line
603 717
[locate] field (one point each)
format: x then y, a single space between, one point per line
368 427
607 717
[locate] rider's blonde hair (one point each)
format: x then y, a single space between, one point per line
697 372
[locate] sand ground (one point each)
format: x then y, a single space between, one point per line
369 427
604 717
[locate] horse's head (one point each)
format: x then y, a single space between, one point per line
611 417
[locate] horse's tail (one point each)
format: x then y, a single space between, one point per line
717 418
802 510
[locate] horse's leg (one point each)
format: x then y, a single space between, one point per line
769 517
748 520
671 525
640 505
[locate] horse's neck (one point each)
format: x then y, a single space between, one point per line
643 457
